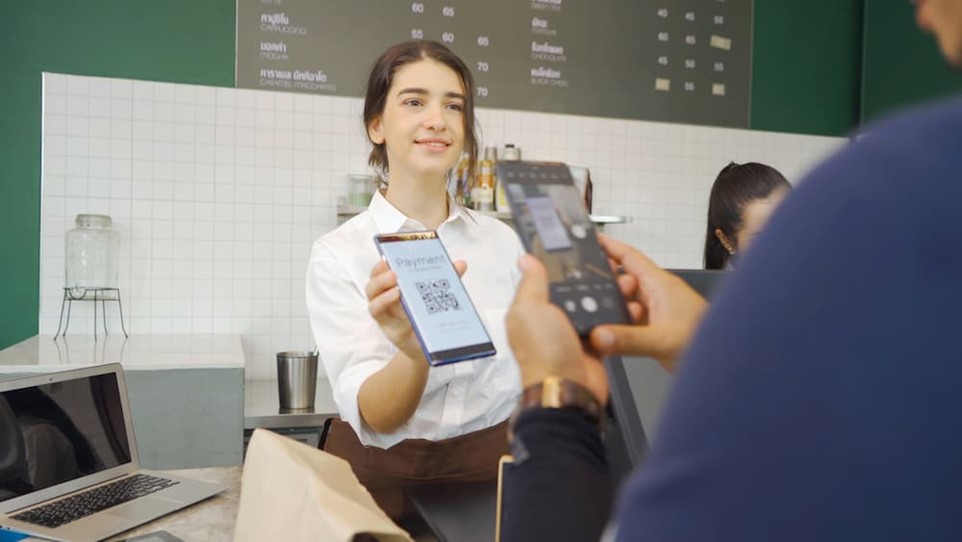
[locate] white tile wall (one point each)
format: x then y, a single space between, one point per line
217 193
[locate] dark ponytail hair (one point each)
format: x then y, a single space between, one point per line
736 186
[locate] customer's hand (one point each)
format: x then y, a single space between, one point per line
543 339
665 309
384 304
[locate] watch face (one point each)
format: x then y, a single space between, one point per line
557 392
553 392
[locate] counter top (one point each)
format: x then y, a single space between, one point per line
211 520
42 353
262 407
345 212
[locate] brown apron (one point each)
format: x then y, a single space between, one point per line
385 473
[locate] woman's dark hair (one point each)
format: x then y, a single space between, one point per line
736 186
379 83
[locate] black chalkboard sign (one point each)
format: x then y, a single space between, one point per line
665 60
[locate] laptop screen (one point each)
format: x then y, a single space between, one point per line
58 432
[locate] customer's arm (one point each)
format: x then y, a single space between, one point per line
559 488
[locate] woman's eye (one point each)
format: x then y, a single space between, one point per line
413 102
456 107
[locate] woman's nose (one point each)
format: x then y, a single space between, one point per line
434 118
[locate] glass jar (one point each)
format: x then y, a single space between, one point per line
510 152
360 190
91 250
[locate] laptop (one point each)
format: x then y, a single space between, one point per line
68 459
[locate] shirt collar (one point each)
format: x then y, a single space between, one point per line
389 219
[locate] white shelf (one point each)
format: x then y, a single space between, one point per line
344 212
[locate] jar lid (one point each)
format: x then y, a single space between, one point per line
510 152
93 221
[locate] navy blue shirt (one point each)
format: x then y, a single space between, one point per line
822 396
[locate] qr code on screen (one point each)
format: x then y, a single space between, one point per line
437 296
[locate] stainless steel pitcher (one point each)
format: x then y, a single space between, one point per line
296 380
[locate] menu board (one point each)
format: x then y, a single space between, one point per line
665 60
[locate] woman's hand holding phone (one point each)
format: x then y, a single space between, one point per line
384 304
389 397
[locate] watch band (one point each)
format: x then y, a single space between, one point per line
557 392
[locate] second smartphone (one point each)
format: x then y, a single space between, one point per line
434 298
550 216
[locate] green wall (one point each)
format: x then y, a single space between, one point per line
806 79
806 66
184 41
902 64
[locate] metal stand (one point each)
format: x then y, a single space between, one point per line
103 295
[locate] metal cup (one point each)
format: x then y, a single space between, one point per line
296 380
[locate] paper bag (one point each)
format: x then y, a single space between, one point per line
293 492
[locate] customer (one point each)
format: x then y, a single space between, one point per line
401 421
742 198
819 398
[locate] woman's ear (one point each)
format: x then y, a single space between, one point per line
375 131
725 241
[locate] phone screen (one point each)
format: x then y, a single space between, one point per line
436 302
555 227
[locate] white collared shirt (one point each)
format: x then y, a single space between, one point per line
459 398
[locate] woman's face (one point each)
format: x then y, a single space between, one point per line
422 125
754 217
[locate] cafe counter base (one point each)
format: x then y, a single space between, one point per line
262 410
186 392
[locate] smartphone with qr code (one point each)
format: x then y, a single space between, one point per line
554 225
434 298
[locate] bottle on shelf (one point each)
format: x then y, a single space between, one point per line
510 152
460 188
484 195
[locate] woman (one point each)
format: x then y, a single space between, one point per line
742 198
403 422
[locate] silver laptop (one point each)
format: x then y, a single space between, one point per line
68 459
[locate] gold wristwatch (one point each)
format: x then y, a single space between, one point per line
557 392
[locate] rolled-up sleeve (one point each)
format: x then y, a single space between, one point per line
351 345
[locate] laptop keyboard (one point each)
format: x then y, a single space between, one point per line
64 511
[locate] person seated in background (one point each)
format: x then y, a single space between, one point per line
742 198
819 397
